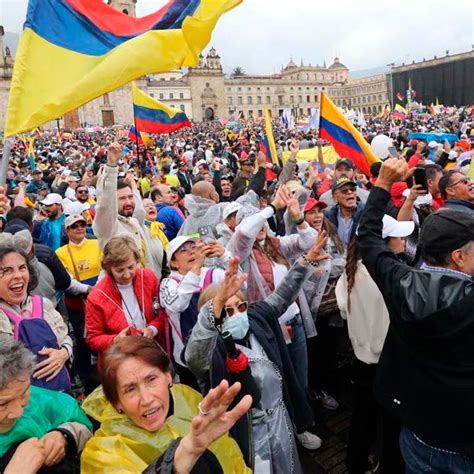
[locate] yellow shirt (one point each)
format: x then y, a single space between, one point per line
87 257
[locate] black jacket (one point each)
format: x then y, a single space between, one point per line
47 256
425 374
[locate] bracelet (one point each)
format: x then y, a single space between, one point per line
273 207
112 166
299 221
313 263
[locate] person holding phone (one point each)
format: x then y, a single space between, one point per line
124 302
180 292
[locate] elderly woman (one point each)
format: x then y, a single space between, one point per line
33 320
125 301
265 437
39 429
179 294
148 424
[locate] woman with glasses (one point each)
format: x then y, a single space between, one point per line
81 258
266 437
124 302
180 292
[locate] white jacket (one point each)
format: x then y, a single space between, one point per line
368 319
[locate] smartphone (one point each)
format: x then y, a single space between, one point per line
420 178
206 234
393 151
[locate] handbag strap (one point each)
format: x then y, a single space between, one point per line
76 273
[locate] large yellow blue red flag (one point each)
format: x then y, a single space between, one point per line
72 51
152 116
346 139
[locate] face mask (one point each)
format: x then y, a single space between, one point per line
237 325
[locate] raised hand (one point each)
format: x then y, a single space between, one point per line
294 147
114 153
392 170
230 286
212 422
315 252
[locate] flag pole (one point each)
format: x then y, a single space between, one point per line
136 143
7 149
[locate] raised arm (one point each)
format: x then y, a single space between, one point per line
106 209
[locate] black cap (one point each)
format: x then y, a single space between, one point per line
344 161
445 231
16 225
342 182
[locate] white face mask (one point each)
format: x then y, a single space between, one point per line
237 325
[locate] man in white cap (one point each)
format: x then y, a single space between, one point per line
49 222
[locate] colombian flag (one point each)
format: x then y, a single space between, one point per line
72 51
346 139
140 137
151 116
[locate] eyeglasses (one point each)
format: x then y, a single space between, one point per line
464 180
77 225
241 307
347 190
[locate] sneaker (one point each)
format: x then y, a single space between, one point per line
309 440
326 400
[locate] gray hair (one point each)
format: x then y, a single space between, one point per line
15 360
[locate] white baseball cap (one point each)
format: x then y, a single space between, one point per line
231 208
73 218
434 144
52 198
177 242
394 228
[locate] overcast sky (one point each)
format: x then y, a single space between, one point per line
262 35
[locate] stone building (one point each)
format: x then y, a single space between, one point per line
206 93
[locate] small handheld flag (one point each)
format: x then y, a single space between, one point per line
151 116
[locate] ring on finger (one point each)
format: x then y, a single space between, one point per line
201 411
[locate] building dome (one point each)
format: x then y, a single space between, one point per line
291 65
337 65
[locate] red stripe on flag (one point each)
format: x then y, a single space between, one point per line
155 127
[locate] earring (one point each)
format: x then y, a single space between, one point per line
170 385
120 411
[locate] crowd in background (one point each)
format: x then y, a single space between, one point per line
186 306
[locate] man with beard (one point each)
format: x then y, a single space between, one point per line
346 214
119 211
49 222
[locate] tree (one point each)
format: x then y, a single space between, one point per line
238 71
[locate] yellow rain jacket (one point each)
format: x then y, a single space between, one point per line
119 446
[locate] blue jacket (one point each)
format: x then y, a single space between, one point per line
50 233
171 218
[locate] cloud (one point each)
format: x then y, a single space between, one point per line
262 35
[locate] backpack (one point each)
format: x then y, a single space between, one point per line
35 333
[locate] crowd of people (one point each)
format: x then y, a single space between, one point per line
185 307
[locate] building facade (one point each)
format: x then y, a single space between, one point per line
206 93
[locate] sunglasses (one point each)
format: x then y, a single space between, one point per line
241 307
465 180
82 191
77 225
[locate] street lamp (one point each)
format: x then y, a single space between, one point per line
391 65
